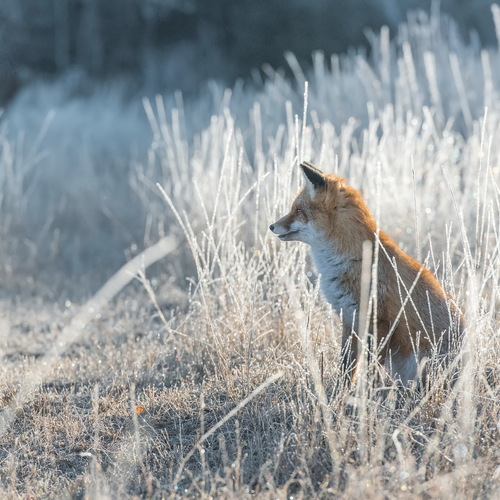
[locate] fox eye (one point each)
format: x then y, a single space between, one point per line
298 211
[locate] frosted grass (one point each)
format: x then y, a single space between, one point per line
414 128
418 99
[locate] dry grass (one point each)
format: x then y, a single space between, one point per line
127 410
124 407
227 384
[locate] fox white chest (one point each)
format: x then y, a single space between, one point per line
333 268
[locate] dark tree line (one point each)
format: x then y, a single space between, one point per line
220 38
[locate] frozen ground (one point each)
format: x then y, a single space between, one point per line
215 371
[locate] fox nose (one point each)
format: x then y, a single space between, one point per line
271 227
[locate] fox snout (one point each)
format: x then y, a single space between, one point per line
281 226
277 228
286 228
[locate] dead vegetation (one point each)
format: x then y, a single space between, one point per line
129 411
217 374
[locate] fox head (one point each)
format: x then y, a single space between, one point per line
326 209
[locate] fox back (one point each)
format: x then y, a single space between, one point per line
414 316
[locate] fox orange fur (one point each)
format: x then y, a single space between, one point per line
414 316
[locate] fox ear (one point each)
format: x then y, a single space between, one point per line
314 176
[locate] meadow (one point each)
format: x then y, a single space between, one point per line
208 365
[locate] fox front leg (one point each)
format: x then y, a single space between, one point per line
352 353
349 356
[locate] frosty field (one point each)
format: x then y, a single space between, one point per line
208 366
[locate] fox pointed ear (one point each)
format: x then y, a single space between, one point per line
315 177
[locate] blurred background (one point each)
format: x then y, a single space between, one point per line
78 154
160 45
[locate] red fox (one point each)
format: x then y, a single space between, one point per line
414 316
